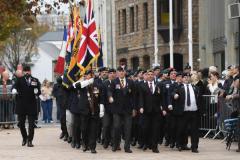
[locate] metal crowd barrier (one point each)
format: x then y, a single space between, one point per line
217 109
7 109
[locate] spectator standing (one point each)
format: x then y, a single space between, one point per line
47 102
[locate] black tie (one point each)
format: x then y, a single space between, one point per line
188 96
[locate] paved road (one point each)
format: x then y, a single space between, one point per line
49 147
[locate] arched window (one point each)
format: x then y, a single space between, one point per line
135 63
177 61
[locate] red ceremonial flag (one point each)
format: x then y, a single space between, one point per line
88 49
59 68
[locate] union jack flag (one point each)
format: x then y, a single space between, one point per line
89 48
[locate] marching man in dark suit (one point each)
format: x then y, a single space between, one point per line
28 90
188 96
150 106
121 94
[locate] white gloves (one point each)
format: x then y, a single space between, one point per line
176 96
111 100
101 114
141 110
170 107
14 91
84 83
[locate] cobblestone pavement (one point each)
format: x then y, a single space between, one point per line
49 147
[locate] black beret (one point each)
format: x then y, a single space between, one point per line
26 68
179 74
187 66
165 71
88 72
120 68
150 70
157 67
112 70
144 71
171 70
230 67
102 69
186 74
139 71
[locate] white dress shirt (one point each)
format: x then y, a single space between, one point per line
193 106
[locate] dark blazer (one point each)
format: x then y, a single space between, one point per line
180 102
137 85
107 105
81 102
60 93
26 98
100 84
123 97
168 89
151 102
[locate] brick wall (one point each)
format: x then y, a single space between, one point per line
141 42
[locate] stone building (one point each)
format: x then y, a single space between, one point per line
218 34
134 33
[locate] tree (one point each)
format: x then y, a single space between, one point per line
10 15
21 46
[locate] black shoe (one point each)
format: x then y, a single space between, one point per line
85 148
73 145
119 148
61 136
93 151
35 126
77 146
30 144
24 142
238 150
166 144
128 150
69 139
105 145
195 151
133 143
172 145
99 140
114 149
186 148
65 138
155 150
180 149
140 146
145 148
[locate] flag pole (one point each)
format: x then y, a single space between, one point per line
155 35
171 32
190 49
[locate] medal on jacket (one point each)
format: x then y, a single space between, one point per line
35 91
167 85
158 90
95 91
88 94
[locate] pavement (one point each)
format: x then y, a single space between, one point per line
49 147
